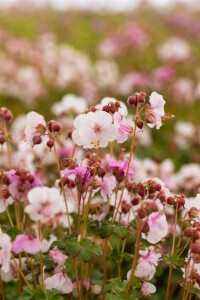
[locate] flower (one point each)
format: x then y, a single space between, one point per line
68 103
107 185
155 111
58 255
60 282
35 126
94 130
44 203
122 127
158 227
148 288
5 252
27 244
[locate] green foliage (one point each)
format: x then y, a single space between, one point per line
85 248
108 228
39 293
117 290
173 259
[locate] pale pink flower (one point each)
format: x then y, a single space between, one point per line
5 251
123 128
28 244
60 282
158 227
145 271
94 130
44 203
149 255
148 288
35 126
107 186
58 255
156 111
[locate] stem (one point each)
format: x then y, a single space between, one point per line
134 265
41 261
77 280
87 208
2 288
21 273
129 163
105 265
172 252
62 186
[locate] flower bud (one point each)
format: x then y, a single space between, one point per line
37 140
193 212
141 213
50 144
132 100
53 126
140 124
195 248
170 200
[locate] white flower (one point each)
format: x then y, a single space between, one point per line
69 102
44 203
94 130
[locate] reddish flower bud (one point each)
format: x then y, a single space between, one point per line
135 201
53 126
141 213
170 200
50 144
37 140
140 124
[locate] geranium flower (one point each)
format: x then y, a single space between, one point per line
27 244
5 251
44 203
123 128
155 111
35 126
60 282
158 227
94 130
148 288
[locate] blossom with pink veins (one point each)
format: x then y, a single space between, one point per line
44 203
58 255
156 111
35 126
26 243
94 130
60 282
123 128
107 186
5 251
148 288
158 227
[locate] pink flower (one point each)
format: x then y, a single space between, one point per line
44 203
82 175
155 112
123 128
5 252
35 126
148 288
94 130
107 186
27 244
60 282
149 255
158 227
58 255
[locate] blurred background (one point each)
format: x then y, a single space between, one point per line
97 48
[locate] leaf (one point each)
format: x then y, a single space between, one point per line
122 231
106 229
173 259
13 232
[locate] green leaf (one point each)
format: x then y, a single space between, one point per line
173 259
106 229
13 232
